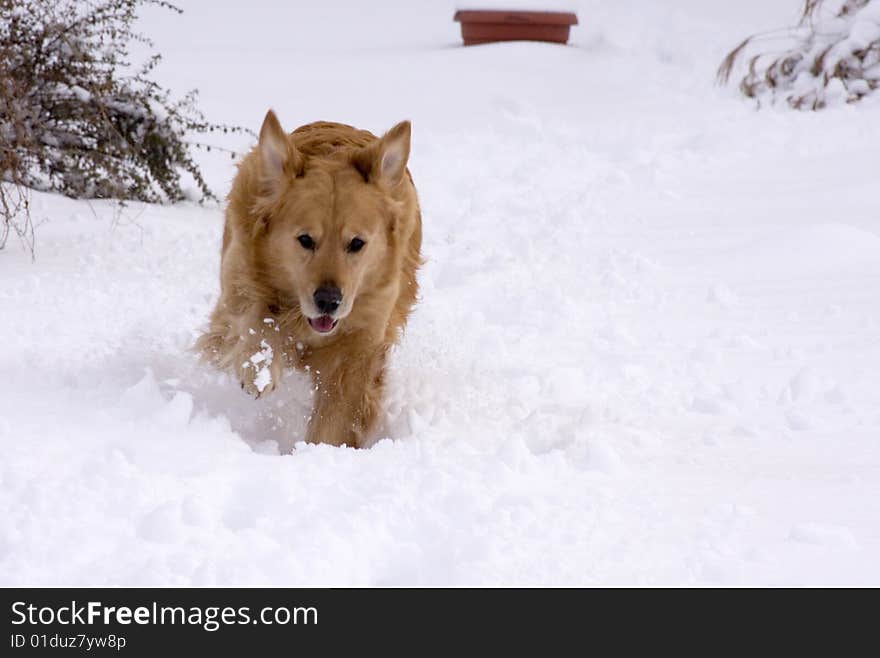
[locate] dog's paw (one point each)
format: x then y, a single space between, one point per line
259 372
258 381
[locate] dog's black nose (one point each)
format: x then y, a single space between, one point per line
327 299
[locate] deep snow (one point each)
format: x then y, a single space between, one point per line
647 348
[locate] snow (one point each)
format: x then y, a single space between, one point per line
261 361
646 351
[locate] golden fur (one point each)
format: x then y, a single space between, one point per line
331 183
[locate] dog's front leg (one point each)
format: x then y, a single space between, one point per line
348 398
245 339
260 354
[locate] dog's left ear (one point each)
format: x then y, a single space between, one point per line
385 161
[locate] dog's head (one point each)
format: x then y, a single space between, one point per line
328 220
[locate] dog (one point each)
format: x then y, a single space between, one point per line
321 245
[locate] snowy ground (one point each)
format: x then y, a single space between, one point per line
647 351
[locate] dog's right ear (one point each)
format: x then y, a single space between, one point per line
278 157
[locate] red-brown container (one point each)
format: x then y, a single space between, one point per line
487 26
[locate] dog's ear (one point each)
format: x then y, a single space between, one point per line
385 161
277 155
394 153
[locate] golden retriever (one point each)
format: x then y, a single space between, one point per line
318 268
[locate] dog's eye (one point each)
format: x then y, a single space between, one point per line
306 241
355 245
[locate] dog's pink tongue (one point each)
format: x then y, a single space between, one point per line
322 323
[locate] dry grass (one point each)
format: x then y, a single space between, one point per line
15 215
833 53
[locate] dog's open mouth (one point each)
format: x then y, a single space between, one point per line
323 324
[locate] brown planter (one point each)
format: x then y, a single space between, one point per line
485 26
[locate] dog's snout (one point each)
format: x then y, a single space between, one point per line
327 299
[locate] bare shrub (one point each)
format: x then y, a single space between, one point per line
832 54
76 116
